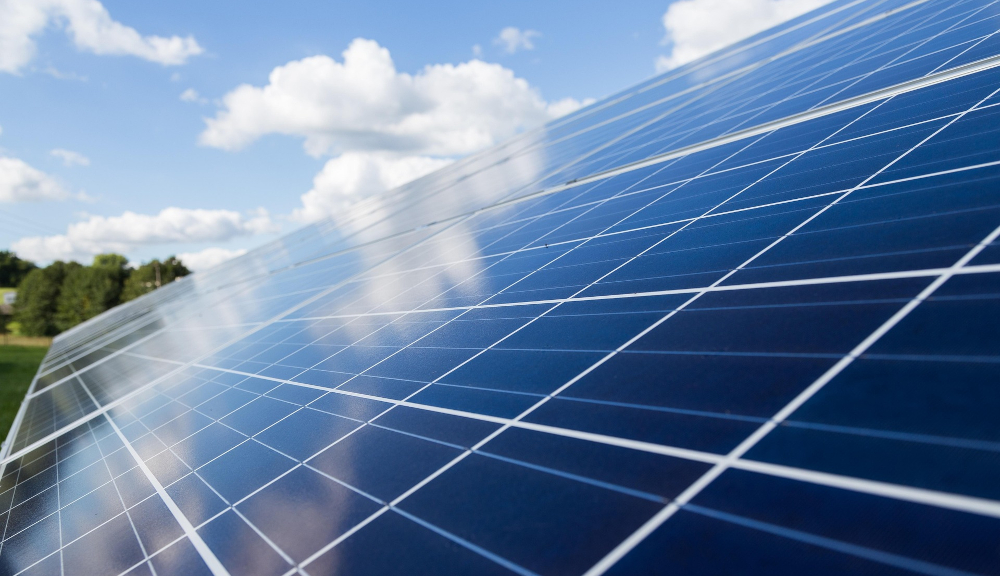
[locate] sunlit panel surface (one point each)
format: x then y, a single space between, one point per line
742 318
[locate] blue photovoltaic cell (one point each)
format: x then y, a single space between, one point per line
740 318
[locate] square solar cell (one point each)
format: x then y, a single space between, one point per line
929 465
117 534
651 476
700 544
388 388
456 430
878 524
382 463
225 403
306 432
350 407
35 542
499 403
480 486
154 525
180 558
303 511
206 445
196 500
239 548
698 431
258 415
530 371
413 549
83 515
242 470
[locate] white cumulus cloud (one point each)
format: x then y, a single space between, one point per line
89 26
209 257
123 233
695 28
364 103
513 39
70 158
355 175
20 182
384 127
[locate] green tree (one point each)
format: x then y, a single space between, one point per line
38 296
12 269
111 261
144 278
89 290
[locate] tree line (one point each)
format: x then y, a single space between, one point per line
63 294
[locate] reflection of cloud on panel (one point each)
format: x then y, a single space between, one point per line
454 253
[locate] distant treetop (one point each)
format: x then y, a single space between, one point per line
64 294
13 269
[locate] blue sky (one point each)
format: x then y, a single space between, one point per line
208 128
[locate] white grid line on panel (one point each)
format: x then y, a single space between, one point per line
411 395
922 496
713 215
739 110
733 464
957 502
125 508
729 76
391 406
873 276
861 57
959 72
465 454
887 558
103 409
62 561
232 505
550 174
204 551
882 94
149 558
816 39
666 513
112 479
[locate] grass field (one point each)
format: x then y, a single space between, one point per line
18 365
32 341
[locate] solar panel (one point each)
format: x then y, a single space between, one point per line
741 318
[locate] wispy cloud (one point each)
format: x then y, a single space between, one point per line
513 39
191 95
70 158
89 26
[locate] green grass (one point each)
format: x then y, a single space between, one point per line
18 365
